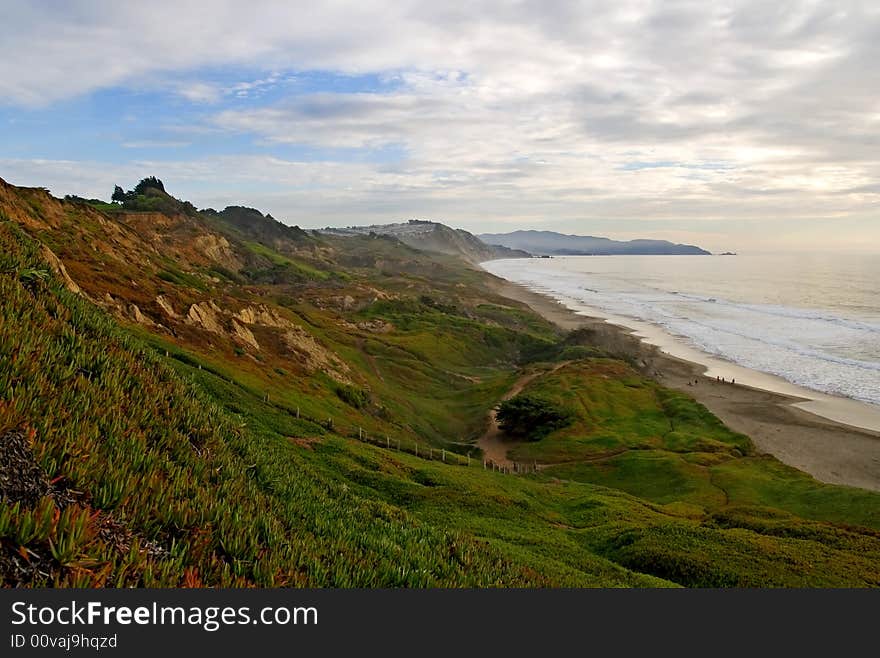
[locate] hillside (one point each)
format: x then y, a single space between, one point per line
550 243
192 399
435 237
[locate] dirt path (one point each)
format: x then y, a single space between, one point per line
827 450
492 443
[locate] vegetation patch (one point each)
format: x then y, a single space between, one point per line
532 417
144 456
352 396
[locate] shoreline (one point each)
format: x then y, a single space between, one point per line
845 411
832 439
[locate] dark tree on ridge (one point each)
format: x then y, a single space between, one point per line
149 182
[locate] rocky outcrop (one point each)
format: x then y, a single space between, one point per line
314 356
59 269
166 307
210 317
207 316
136 315
244 335
263 315
297 343
127 311
218 249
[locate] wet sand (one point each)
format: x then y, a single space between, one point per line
837 444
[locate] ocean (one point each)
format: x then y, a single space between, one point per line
811 319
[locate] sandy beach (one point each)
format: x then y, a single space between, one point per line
835 440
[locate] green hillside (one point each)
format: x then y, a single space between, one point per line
211 436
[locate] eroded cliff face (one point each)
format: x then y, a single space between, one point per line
217 249
161 272
31 207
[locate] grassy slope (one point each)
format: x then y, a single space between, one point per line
205 481
632 434
447 352
568 527
165 488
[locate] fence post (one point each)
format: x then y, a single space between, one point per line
443 451
297 413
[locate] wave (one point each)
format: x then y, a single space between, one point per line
811 348
788 312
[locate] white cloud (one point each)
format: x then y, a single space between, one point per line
526 112
153 144
199 92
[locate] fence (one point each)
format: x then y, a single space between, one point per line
411 446
441 454
417 449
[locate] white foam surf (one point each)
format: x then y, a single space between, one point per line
816 348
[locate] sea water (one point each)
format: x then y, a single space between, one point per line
812 319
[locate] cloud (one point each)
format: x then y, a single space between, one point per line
199 92
500 112
154 144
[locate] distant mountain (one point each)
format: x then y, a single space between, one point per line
558 244
436 237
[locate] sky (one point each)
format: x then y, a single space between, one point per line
732 125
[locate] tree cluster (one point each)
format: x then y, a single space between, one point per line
148 183
149 195
531 417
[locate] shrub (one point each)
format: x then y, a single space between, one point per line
352 396
531 416
149 195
